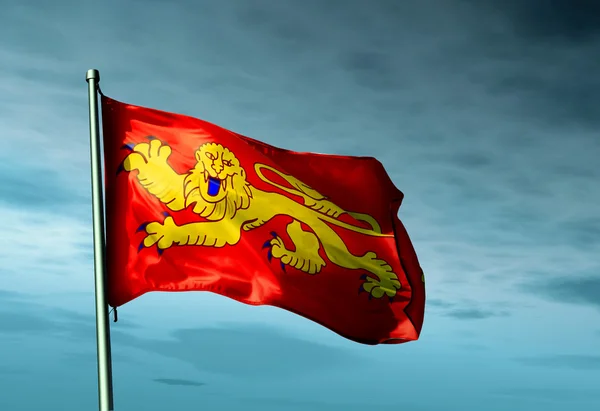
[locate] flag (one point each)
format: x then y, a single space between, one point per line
191 206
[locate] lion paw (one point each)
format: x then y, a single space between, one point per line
386 283
303 259
145 156
163 235
251 225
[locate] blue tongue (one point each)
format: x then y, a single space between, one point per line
214 184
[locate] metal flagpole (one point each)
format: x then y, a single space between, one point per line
105 393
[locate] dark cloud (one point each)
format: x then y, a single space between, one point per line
22 322
464 310
576 171
219 350
179 382
551 20
19 314
36 188
23 314
89 357
584 232
564 101
536 59
575 362
436 302
471 159
474 314
467 310
291 32
568 289
372 69
225 351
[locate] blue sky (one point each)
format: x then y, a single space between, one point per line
486 115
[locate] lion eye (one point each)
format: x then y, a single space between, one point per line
227 163
209 155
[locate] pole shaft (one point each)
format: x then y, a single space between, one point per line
105 397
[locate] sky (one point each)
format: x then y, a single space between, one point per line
486 115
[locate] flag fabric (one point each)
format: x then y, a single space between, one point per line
191 206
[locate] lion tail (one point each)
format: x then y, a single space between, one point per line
374 231
300 189
367 219
304 191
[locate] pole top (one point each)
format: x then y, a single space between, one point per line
92 74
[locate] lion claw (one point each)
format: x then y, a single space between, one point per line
267 244
142 227
128 146
282 266
151 138
166 214
142 246
363 277
269 256
361 289
274 234
120 169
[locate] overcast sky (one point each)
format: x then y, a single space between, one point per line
485 113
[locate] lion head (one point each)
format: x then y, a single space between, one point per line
217 185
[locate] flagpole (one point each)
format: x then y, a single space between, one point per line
105 392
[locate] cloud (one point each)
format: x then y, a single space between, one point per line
435 302
475 314
22 313
41 249
88 357
484 113
459 114
523 38
21 322
568 289
583 232
467 310
470 159
36 188
575 362
575 21
178 382
371 69
225 350
240 350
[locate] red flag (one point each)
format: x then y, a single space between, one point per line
193 206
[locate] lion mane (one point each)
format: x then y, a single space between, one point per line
238 192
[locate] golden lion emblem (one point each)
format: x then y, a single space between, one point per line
217 190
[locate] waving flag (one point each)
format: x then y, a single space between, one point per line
192 206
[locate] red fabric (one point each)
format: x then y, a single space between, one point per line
242 271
